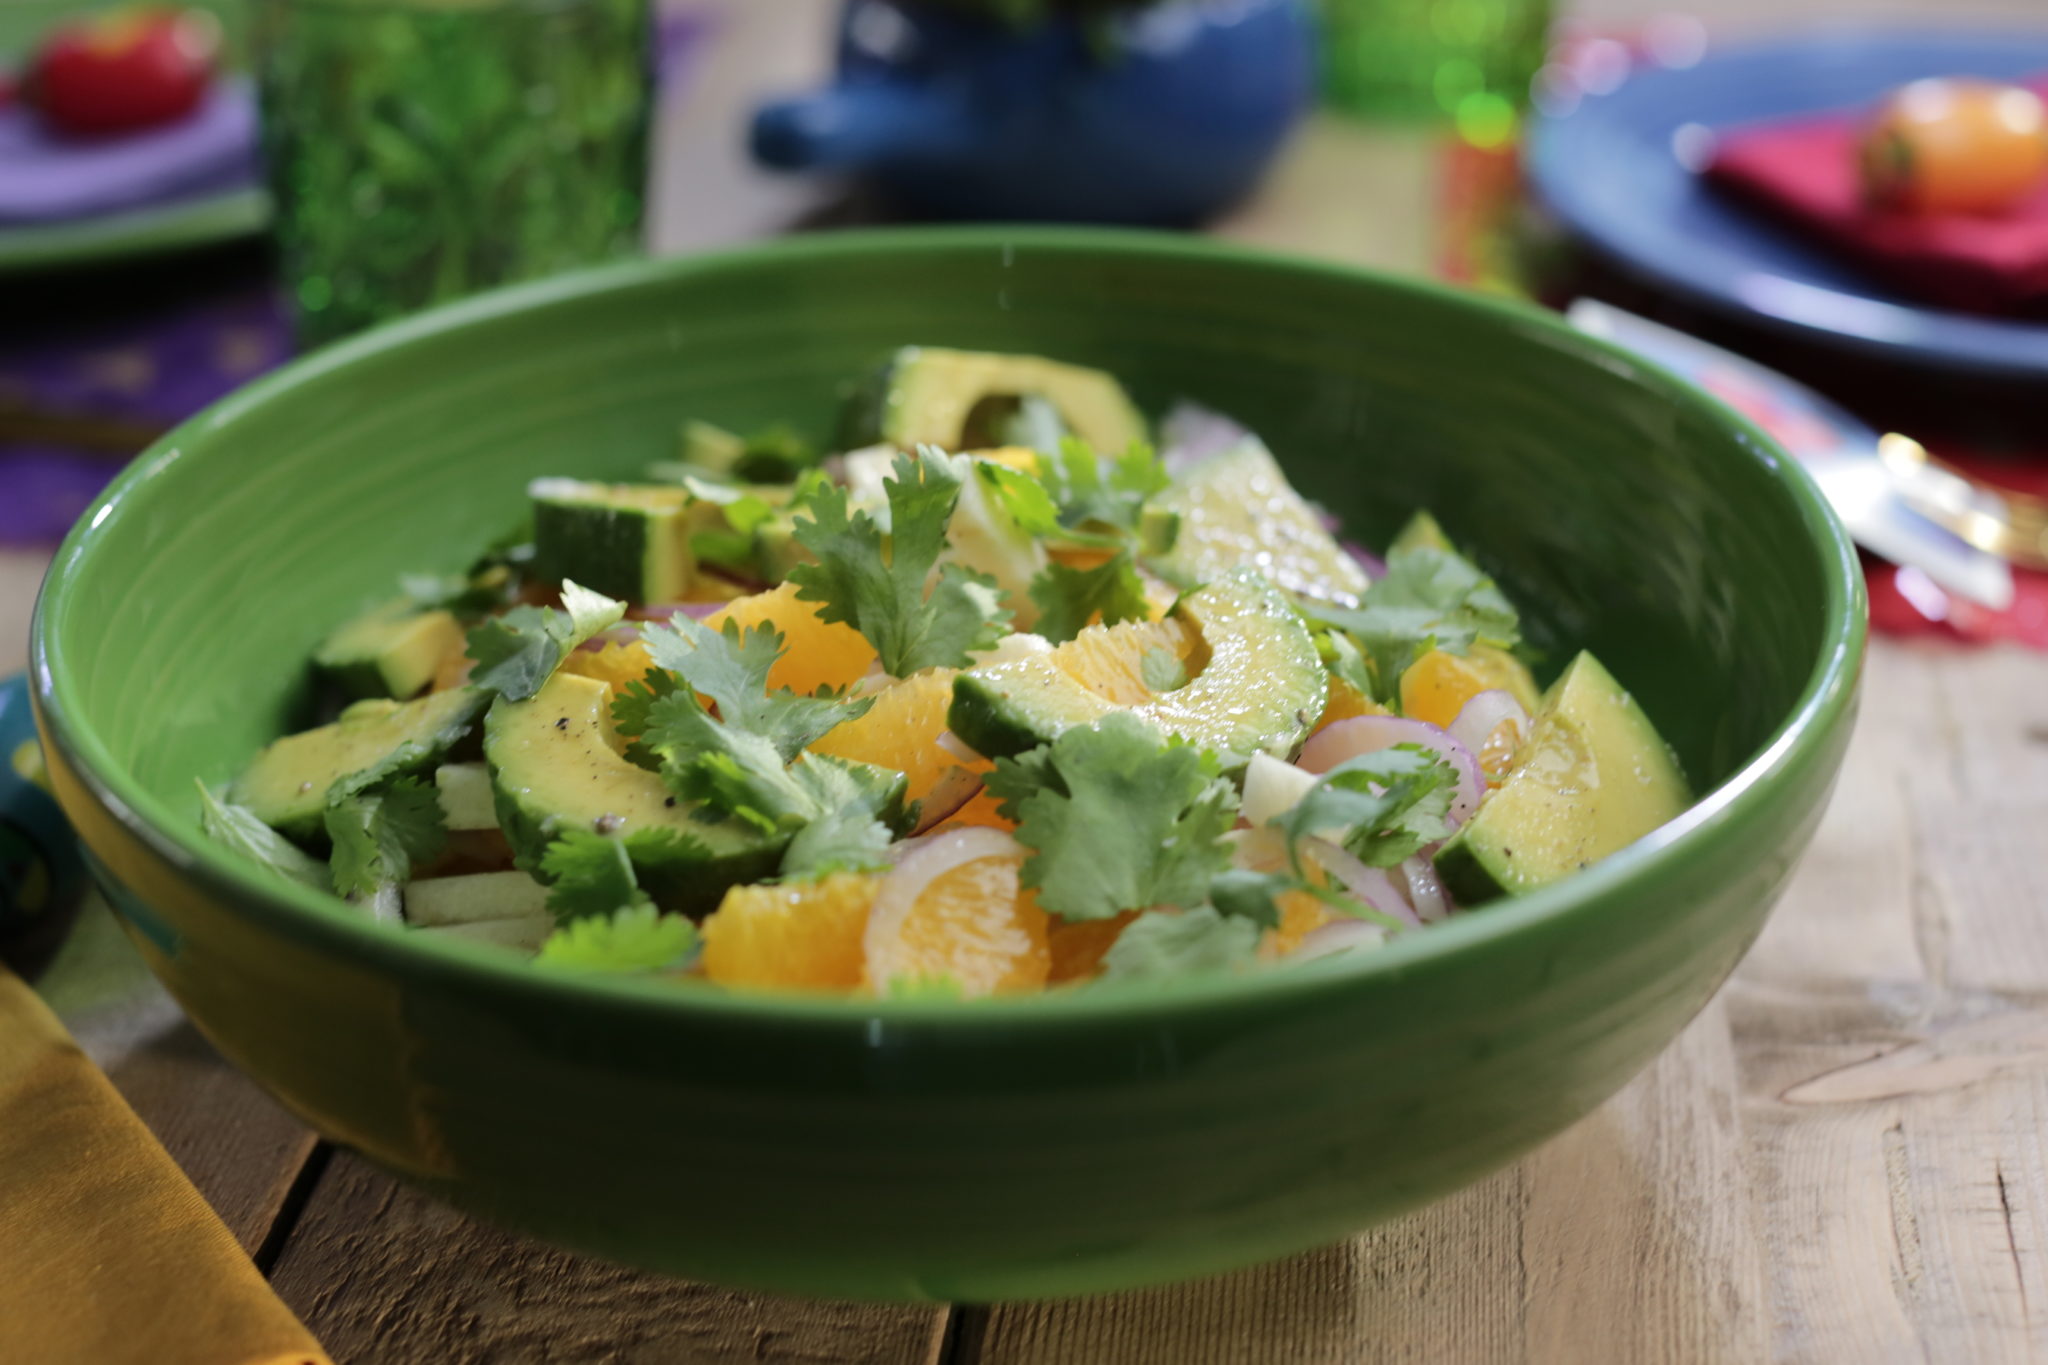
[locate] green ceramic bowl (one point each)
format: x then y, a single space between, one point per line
927 1150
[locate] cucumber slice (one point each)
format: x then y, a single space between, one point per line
467 801
477 896
392 650
286 785
523 932
630 541
1593 777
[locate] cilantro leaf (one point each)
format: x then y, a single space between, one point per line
846 838
378 835
240 829
630 706
1164 943
877 584
731 667
638 938
1428 598
589 874
1114 497
1389 803
1117 818
1069 599
516 653
1159 670
1251 895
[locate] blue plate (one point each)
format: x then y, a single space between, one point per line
1610 170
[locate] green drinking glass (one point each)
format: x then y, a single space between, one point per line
420 150
1464 62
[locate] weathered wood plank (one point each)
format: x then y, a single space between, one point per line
382 1273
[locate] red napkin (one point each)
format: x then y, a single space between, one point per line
1804 172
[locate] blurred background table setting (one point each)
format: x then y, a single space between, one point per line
1840 1158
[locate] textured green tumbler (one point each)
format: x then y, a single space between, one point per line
420 150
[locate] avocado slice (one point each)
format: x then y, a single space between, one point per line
390 650
1237 508
625 540
1592 777
287 784
555 766
1256 682
966 400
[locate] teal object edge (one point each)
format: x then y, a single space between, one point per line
1027 1147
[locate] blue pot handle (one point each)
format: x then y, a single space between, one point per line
854 126
41 872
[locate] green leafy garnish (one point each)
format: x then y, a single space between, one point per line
731 667
630 707
1162 944
379 834
876 583
516 653
1088 494
1117 818
638 938
849 838
240 829
1069 599
1159 670
1428 599
1388 804
590 874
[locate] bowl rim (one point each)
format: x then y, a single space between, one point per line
318 920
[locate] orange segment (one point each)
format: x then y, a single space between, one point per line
805 935
815 653
454 668
901 731
613 664
1437 685
1078 946
1346 702
972 925
1300 915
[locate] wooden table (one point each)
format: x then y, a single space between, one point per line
1842 1159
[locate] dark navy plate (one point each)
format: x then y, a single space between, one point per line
1611 170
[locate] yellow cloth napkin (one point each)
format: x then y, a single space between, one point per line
107 1253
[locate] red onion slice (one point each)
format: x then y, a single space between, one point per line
617 635
1485 713
952 745
663 611
1347 739
1425 892
947 795
1369 885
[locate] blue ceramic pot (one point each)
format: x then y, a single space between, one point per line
1162 114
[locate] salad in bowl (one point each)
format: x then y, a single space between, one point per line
1011 694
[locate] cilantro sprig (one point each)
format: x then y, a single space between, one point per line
636 939
1428 599
1381 807
517 652
916 612
240 829
1117 818
731 667
1162 944
1075 498
380 834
